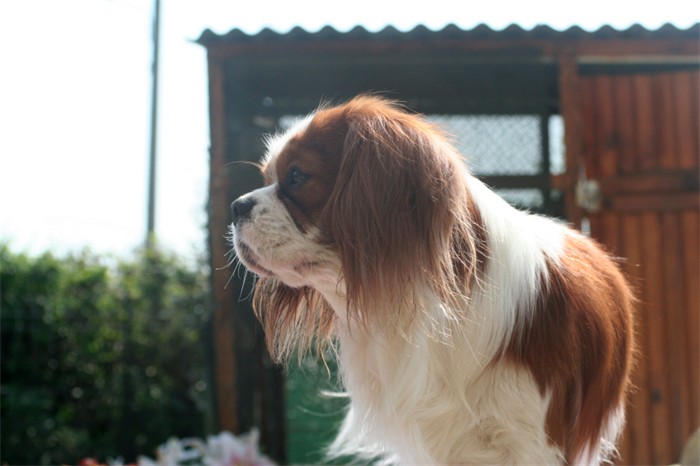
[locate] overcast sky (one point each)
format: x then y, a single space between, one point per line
74 101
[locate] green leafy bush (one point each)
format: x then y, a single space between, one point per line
100 359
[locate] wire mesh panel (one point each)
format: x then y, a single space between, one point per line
514 153
496 144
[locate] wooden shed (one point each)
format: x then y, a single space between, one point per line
628 103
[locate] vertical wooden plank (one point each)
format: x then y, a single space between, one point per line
639 422
570 106
691 274
687 127
605 113
666 121
644 122
605 227
689 152
625 108
653 352
224 352
601 142
694 82
675 327
591 145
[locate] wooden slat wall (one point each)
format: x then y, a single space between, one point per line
646 126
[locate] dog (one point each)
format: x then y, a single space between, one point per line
467 331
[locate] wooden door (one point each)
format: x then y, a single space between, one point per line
639 134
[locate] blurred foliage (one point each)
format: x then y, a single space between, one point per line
100 360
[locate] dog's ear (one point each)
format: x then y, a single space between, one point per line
393 213
295 320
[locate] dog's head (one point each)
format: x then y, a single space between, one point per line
365 210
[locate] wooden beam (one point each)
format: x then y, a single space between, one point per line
655 182
638 203
226 391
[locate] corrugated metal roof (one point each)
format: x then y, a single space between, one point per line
451 31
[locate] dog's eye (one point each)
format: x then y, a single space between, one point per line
296 177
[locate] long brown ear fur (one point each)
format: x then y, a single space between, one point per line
400 213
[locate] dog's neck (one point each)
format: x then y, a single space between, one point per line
333 291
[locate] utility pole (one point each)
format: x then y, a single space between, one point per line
150 229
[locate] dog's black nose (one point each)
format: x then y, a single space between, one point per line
241 208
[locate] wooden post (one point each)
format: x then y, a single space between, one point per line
226 392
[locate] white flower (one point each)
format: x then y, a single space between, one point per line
224 449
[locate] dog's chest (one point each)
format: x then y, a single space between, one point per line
418 400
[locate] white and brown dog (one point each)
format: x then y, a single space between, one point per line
468 331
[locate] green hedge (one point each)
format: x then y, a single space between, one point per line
100 359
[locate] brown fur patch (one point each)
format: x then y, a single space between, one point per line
579 343
316 153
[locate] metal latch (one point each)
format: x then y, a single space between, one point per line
588 195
